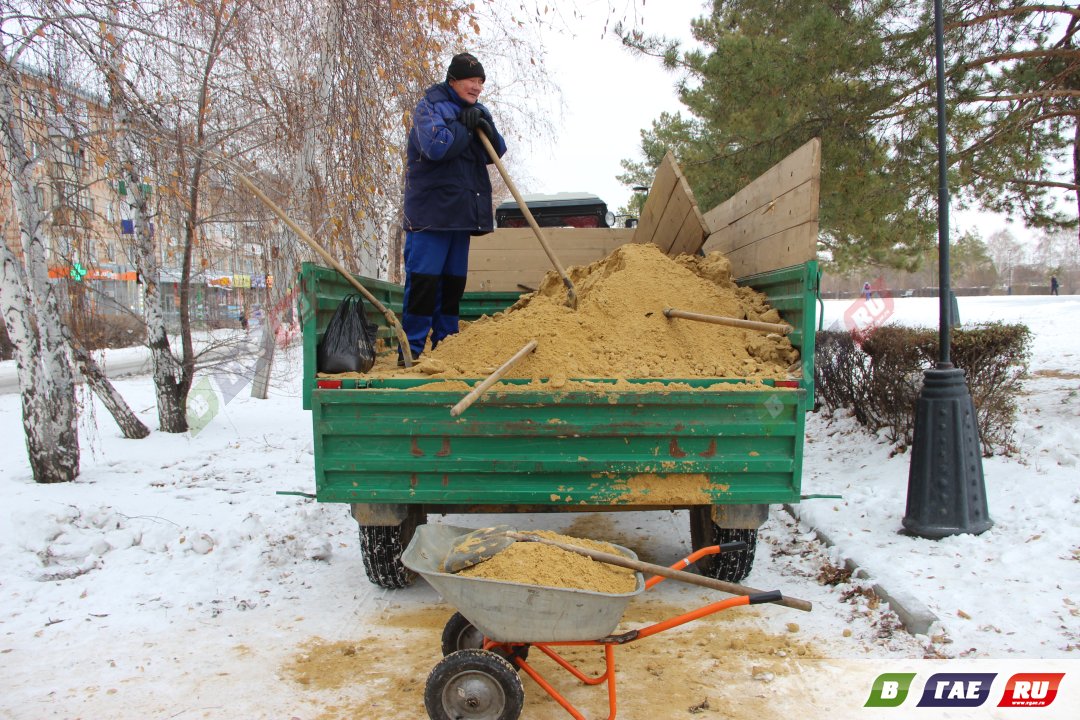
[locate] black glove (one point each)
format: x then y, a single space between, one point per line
483 124
470 116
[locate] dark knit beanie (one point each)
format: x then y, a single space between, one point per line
465 66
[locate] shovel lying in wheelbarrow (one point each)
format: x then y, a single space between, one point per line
480 545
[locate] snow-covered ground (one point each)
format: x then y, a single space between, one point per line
173 581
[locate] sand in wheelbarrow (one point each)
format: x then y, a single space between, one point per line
534 563
619 329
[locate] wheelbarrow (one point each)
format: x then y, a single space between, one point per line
487 641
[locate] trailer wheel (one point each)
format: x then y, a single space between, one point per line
381 547
473 685
460 634
729 566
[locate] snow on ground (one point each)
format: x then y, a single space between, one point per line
171 580
1029 561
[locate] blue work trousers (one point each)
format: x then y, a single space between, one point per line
436 263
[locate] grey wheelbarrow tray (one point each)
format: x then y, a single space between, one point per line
507 611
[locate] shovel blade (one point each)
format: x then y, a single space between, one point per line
477 546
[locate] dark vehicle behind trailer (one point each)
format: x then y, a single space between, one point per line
579 210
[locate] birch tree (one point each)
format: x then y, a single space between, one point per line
31 310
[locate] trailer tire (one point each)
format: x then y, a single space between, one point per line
474 685
381 547
729 566
460 634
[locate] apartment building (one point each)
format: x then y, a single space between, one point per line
89 224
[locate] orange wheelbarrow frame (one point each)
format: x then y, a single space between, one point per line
512 649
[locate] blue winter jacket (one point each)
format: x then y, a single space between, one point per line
446 179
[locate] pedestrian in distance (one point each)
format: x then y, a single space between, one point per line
866 290
1053 285
447 199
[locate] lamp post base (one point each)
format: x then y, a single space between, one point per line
946 493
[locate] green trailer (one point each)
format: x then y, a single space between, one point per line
390 449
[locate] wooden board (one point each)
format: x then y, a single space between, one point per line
671 218
783 249
801 166
663 185
507 258
773 221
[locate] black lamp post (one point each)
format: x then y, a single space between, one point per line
946 495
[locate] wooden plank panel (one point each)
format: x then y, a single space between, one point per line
797 168
531 258
694 231
690 238
783 249
675 214
663 185
512 238
793 208
502 280
691 235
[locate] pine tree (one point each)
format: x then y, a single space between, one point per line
771 75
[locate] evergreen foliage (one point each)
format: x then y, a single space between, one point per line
769 76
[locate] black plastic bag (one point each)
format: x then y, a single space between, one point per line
349 342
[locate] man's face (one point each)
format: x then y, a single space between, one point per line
468 89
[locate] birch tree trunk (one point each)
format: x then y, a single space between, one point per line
166 370
169 387
130 424
31 312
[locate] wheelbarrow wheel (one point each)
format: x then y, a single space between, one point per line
460 634
473 685
729 566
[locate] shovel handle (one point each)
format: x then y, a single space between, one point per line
641 566
571 291
782 328
491 379
403 340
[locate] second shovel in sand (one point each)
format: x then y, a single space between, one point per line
571 291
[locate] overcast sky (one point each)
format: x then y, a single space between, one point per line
609 96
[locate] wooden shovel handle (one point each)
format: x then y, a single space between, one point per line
571 291
491 379
403 340
782 328
641 566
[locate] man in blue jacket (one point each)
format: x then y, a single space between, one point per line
447 199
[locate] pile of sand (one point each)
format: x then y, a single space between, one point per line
534 563
619 329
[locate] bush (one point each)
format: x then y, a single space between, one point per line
96 332
879 375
